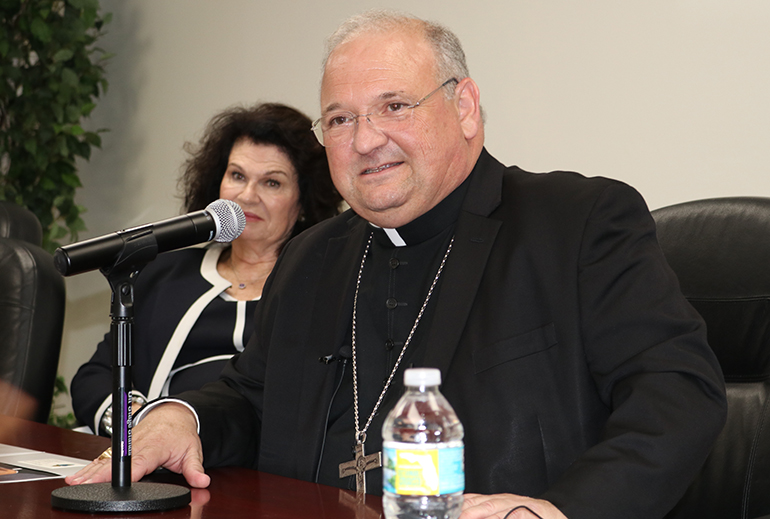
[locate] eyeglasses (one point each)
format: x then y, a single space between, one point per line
337 128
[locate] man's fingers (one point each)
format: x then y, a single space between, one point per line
478 506
98 471
507 506
192 470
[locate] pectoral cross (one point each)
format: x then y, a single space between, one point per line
359 466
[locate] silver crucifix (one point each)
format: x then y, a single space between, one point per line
359 466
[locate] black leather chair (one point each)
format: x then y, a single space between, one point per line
720 250
32 299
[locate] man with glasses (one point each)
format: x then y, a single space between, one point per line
580 373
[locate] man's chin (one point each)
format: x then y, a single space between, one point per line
389 217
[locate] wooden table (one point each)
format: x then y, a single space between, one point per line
234 492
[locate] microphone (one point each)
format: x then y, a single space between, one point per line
345 353
222 221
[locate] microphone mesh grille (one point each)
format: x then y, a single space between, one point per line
229 219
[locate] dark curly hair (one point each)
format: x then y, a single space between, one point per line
264 123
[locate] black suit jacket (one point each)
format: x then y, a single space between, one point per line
579 371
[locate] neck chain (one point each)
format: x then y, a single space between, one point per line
361 433
241 284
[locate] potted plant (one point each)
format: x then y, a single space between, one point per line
51 74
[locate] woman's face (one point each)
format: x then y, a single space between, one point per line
261 179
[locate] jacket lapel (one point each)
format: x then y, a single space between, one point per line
332 314
474 237
328 330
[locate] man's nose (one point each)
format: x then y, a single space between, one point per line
366 136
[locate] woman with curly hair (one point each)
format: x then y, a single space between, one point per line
194 307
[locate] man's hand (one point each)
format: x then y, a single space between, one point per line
167 437
501 506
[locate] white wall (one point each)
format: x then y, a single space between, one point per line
670 96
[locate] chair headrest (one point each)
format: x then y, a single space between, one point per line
19 223
720 251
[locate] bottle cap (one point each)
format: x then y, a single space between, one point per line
415 377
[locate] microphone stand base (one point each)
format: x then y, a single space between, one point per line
103 497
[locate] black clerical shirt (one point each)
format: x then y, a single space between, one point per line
399 270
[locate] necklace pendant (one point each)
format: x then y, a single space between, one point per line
242 286
359 465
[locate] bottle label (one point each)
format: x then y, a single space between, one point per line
423 469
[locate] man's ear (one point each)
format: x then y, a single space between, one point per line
469 107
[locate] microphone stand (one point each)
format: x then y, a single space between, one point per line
140 247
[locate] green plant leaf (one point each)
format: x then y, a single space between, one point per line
59 114
71 180
55 418
48 184
82 149
31 146
41 161
76 225
69 77
40 30
63 148
89 16
86 108
57 232
63 55
73 113
93 139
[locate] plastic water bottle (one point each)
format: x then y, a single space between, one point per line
422 445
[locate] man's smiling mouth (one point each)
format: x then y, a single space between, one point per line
381 168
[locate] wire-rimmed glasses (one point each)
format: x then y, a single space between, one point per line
337 127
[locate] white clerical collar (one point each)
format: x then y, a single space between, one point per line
427 225
393 235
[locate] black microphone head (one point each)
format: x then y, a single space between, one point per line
228 218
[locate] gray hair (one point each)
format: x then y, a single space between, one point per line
448 52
